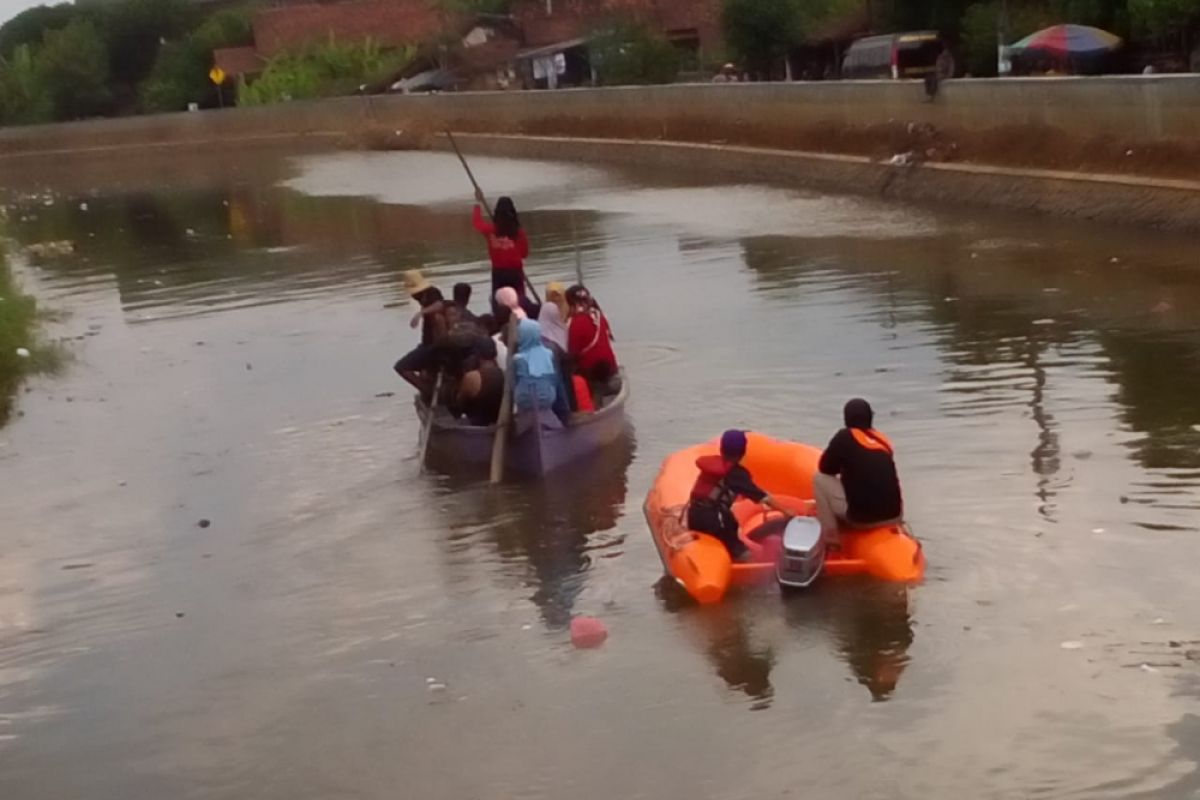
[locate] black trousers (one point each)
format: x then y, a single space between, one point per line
720 522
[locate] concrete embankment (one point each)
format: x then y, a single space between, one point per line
1117 149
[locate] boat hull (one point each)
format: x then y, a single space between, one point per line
701 564
538 444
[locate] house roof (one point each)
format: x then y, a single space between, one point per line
235 61
551 49
574 18
393 23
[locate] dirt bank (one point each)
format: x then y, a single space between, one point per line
1159 203
1020 146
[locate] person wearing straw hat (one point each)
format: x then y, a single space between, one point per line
414 365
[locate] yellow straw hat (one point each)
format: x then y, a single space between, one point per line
556 292
414 282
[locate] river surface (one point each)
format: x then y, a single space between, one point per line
344 627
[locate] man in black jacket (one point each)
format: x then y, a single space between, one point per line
856 482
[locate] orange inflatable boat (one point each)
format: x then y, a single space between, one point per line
701 564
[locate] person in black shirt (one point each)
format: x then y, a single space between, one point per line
856 482
722 480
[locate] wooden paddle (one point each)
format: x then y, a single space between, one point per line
504 421
486 206
427 426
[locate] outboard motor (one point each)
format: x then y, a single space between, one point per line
802 555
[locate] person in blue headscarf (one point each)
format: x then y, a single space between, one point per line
537 383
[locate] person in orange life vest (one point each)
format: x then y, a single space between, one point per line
508 247
856 481
722 480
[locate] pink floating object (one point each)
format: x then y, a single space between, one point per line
588 632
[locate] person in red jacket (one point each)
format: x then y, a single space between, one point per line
589 339
722 480
508 247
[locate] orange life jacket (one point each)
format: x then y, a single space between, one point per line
872 439
710 483
583 395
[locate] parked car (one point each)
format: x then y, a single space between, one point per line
913 54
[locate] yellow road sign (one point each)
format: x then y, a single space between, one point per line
216 75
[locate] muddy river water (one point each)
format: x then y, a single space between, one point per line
347 628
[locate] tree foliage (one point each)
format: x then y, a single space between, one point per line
30 26
330 69
761 32
633 54
135 29
1159 17
980 25
73 68
180 75
22 99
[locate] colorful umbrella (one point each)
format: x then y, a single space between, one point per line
1069 40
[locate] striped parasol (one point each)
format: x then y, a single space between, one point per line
1069 40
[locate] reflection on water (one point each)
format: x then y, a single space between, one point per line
233 364
871 625
550 531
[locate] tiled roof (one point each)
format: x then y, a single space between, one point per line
235 61
390 22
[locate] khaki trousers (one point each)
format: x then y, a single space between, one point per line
830 497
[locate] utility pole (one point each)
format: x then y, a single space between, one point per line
1003 62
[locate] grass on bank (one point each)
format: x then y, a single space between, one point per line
19 319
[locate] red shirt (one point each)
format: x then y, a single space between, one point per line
589 341
505 253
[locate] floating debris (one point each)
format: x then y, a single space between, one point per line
1072 645
204 523
588 632
22 352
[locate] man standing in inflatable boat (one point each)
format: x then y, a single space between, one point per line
722 480
868 491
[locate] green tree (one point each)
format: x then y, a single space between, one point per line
630 54
761 32
327 70
73 67
980 24
30 26
23 98
180 74
1159 17
134 31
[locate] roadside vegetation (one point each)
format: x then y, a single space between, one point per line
328 70
22 352
628 54
67 62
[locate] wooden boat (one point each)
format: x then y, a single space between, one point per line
540 444
701 564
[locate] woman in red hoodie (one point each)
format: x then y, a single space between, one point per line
589 339
507 247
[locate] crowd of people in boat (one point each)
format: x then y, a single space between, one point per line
564 362
563 359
